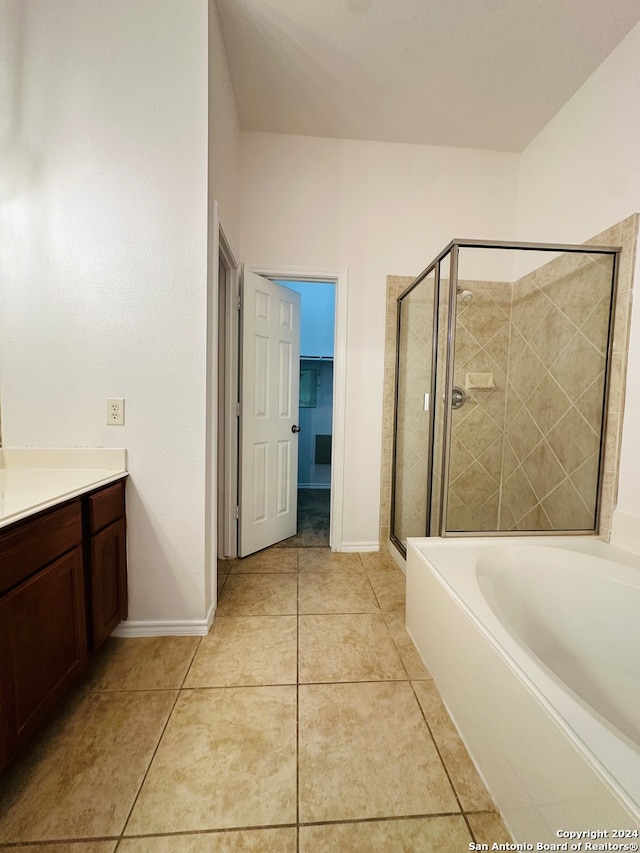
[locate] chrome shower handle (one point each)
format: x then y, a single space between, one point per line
458 397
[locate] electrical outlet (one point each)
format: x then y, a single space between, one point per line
115 411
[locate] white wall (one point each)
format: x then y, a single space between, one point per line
224 133
377 209
104 264
582 175
223 213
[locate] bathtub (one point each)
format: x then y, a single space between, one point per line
534 644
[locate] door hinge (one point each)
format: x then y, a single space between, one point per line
237 410
236 512
238 303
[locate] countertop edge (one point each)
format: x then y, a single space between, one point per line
62 497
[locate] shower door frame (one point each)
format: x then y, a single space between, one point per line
453 249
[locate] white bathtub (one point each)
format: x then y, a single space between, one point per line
534 644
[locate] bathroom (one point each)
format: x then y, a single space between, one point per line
106 292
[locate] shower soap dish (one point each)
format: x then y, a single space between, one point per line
479 381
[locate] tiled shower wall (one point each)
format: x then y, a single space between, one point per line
559 323
478 428
524 453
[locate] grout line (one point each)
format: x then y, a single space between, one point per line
146 773
437 748
383 818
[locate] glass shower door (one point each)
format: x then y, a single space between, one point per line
412 447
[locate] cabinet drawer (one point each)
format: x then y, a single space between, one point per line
30 545
106 506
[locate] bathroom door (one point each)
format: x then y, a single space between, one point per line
269 394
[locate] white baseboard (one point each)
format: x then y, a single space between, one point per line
625 531
351 547
166 628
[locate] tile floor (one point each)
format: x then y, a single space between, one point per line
304 722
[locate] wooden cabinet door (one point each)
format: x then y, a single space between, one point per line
108 581
43 646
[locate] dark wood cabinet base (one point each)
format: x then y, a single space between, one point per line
63 589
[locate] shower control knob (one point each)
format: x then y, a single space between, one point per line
295 428
458 398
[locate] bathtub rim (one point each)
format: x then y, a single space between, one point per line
575 717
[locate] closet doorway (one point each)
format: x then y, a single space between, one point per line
315 414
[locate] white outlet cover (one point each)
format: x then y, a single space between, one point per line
115 411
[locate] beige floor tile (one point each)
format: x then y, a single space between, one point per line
334 591
142 663
227 759
323 559
414 835
81 777
489 828
246 650
225 566
464 776
268 561
222 579
376 560
389 588
356 647
259 595
365 752
238 841
405 645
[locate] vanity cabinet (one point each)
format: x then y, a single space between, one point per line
62 592
106 558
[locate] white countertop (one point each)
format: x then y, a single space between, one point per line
33 479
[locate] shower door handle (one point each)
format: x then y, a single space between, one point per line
295 428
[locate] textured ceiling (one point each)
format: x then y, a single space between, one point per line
465 73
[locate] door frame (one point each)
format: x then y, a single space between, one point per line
222 421
339 277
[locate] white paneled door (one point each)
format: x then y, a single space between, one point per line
270 377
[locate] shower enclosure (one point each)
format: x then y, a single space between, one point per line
502 369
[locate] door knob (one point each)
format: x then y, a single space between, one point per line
295 428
